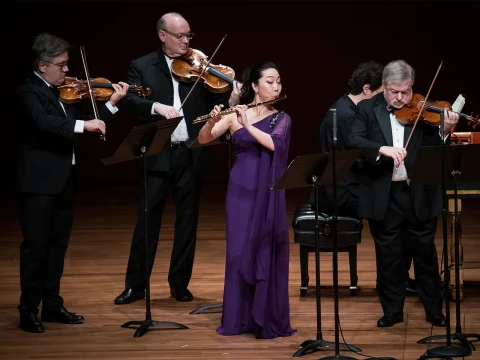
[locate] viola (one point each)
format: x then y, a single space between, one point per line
194 66
431 112
74 90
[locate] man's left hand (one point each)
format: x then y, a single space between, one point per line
450 121
120 91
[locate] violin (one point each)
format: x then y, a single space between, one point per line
74 90
431 112
194 66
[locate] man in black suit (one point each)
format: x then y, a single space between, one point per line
399 215
46 171
177 165
365 82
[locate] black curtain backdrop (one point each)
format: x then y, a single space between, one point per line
316 46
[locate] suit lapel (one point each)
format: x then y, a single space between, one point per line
161 64
43 87
383 118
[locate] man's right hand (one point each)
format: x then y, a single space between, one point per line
166 111
397 154
94 125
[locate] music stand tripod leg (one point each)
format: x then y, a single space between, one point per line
148 322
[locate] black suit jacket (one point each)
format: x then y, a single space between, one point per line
152 71
349 183
371 130
45 137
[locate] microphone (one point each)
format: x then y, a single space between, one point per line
334 127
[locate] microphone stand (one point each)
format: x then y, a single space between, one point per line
335 248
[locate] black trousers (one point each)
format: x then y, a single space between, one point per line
46 222
400 230
186 186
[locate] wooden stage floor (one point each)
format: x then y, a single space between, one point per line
94 276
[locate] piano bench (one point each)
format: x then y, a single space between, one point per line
349 232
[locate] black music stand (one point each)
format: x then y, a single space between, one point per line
315 170
225 138
143 141
460 164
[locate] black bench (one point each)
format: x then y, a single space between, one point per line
349 232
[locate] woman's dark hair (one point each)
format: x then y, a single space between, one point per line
46 46
251 76
366 73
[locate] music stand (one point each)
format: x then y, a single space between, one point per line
460 161
225 138
315 170
143 141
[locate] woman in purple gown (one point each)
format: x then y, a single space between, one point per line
256 270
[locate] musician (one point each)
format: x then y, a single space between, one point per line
399 214
365 82
46 176
177 166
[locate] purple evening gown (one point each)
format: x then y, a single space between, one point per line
255 298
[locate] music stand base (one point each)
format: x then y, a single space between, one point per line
309 346
145 324
462 338
200 310
446 352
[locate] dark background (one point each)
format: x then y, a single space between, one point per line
316 46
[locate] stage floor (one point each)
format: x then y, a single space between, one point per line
94 276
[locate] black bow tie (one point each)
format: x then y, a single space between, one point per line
55 91
390 109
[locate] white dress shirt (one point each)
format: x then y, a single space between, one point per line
181 132
398 134
79 124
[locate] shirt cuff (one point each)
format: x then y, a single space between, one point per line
113 109
445 137
153 108
79 125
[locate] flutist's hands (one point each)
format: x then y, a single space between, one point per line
241 111
166 111
214 116
397 154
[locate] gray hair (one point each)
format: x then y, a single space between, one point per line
46 46
162 23
398 71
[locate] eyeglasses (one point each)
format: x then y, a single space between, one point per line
189 35
61 66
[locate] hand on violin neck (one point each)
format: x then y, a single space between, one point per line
236 94
166 111
120 90
450 120
94 125
397 154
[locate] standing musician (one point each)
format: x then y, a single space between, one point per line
177 165
399 214
46 176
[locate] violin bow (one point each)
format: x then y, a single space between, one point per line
94 104
423 105
203 70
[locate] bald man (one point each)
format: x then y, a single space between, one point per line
176 166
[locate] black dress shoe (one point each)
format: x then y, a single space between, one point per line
411 286
181 294
61 315
29 321
129 295
437 319
388 320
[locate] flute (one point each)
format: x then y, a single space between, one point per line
204 118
